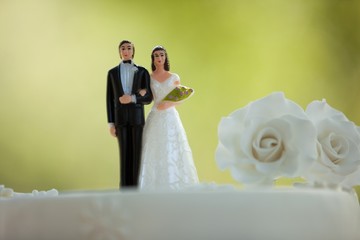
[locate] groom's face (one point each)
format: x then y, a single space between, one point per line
126 51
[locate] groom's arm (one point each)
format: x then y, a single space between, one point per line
110 106
145 85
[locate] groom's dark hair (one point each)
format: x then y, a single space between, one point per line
127 41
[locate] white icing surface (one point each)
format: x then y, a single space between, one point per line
276 214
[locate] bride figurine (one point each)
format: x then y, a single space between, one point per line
167 161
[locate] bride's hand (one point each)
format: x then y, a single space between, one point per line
165 105
142 92
162 106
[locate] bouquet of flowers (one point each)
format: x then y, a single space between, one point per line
179 94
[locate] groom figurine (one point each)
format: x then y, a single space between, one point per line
128 89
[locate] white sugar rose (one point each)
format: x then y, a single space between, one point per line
338 146
266 139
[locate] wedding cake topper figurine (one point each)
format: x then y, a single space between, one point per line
128 89
166 155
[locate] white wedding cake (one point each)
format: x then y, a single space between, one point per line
267 139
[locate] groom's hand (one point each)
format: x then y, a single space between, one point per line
113 131
125 99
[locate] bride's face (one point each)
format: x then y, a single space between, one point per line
159 58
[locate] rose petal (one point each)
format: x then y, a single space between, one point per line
248 174
265 107
224 157
318 110
352 179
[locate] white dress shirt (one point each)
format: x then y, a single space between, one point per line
127 78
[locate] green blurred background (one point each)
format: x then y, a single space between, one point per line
55 55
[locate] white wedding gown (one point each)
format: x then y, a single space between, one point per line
166 160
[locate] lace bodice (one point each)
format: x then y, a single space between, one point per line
161 89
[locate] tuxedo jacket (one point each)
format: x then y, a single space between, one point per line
132 113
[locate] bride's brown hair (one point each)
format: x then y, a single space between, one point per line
166 64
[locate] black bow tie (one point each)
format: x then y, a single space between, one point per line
127 61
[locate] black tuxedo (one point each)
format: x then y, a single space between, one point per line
129 120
